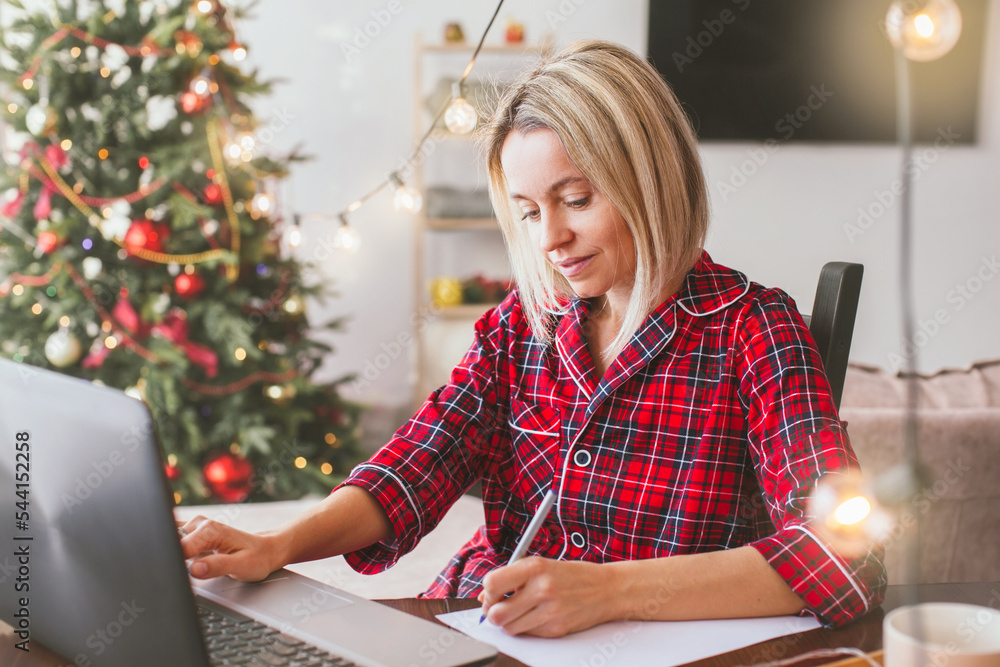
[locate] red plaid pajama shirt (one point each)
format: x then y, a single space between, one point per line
707 432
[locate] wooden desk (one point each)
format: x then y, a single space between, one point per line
865 633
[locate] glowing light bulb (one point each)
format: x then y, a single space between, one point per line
233 151
205 6
405 198
347 238
461 117
852 511
293 236
247 142
238 51
924 32
924 25
261 204
201 86
846 515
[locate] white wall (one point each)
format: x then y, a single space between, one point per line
779 227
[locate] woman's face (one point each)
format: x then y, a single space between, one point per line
576 228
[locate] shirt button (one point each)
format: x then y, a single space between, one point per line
578 540
582 458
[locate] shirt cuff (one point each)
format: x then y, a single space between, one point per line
395 498
834 589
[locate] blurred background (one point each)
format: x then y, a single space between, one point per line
780 209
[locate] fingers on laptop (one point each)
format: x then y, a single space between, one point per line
200 535
218 564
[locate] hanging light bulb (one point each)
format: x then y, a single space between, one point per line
405 198
346 237
261 205
293 234
460 117
923 30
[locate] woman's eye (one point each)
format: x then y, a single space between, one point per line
529 215
578 203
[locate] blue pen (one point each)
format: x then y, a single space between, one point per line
529 534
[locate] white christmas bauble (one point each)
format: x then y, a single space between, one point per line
161 303
114 56
121 77
63 349
116 6
92 267
115 228
35 119
116 225
84 9
91 113
173 268
160 110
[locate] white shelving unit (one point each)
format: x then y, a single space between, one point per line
457 247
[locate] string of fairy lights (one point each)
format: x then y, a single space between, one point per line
459 116
240 144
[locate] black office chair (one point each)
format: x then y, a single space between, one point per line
832 319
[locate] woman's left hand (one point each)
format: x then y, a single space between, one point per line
550 598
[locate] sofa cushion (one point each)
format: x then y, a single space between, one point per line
958 423
872 387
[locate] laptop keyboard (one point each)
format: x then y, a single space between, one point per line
247 643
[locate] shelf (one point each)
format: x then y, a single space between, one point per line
466 311
487 224
454 241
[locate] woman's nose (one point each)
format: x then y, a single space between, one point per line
554 231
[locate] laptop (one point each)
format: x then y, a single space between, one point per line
91 564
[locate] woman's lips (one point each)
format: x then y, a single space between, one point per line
574 266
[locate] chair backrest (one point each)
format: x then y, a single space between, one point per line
832 319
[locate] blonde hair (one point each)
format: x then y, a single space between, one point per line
624 129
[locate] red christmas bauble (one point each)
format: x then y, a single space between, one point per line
212 194
192 103
146 235
189 285
48 241
228 476
173 472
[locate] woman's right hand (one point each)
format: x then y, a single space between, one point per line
215 549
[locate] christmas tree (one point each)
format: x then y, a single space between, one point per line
141 245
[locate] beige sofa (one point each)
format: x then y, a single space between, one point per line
958 423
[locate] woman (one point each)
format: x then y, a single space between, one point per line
679 410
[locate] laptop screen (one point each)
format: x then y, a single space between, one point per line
91 565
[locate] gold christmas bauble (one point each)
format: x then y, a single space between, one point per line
63 349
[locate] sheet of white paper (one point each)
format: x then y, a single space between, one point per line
631 643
